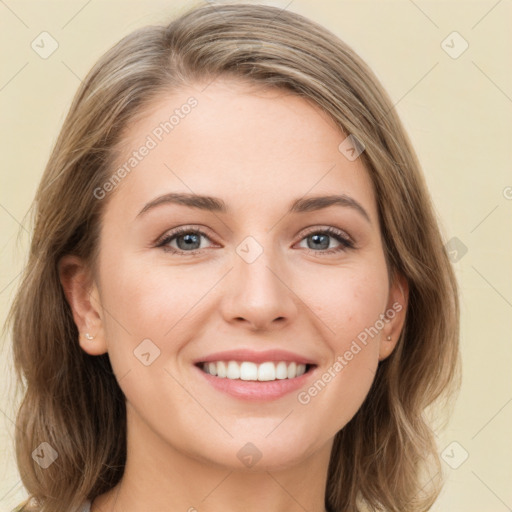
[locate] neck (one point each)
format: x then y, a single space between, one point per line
161 477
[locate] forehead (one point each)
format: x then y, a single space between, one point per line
238 142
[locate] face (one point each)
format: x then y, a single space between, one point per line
263 273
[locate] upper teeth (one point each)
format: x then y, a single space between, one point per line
252 371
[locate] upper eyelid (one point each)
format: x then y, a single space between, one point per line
186 228
203 231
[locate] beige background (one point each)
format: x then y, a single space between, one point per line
456 110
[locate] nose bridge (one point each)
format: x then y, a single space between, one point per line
256 267
257 290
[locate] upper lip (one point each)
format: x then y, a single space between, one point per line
255 356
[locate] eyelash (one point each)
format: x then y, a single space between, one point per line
345 242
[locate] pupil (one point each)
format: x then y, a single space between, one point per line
189 239
316 238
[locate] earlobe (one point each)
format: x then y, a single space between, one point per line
395 314
387 346
83 299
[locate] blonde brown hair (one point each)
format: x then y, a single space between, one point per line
71 400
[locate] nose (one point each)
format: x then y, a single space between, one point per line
259 294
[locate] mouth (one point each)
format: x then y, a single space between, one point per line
249 371
246 374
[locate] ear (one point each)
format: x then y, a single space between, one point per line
394 316
83 297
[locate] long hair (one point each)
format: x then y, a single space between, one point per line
382 458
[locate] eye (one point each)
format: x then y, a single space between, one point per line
318 241
187 240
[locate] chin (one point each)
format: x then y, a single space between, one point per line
259 453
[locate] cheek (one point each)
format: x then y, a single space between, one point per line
147 299
130 297
350 303
350 308
144 301
147 319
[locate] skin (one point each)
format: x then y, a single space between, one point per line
258 150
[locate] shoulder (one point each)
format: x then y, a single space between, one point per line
30 505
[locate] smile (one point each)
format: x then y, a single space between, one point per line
249 371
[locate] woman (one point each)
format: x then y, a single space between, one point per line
236 283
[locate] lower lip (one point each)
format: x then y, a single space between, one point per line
257 390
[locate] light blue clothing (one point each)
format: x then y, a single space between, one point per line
84 507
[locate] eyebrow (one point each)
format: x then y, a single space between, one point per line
215 204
